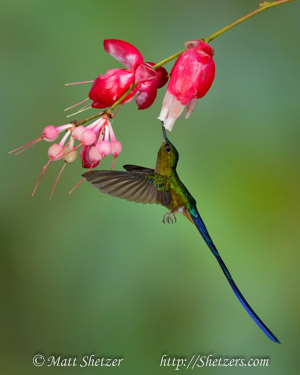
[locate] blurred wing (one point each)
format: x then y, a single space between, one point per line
136 168
134 186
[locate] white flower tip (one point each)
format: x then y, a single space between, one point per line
190 108
169 123
70 155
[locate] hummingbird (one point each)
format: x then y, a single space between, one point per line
163 186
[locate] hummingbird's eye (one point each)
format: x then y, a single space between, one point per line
167 148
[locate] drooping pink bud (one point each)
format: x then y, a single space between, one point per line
50 133
191 77
77 133
95 154
88 137
105 148
55 152
116 148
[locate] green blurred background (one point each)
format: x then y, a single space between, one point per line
86 273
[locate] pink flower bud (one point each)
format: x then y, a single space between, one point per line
105 148
55 152
77 133
94 154
88 137
116 148
50 133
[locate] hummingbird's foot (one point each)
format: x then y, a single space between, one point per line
167 218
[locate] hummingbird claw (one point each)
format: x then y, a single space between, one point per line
167 218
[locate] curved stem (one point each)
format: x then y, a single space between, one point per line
172 57
262 6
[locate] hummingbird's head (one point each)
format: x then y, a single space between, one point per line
168 156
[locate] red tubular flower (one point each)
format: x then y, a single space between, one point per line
147 91
191 78
109 87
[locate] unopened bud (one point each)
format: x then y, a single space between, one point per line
88 137
55 152
77 133
95 154
116 148
70 156
105 148
50 133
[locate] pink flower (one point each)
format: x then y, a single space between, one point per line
96 140
191 78
109 87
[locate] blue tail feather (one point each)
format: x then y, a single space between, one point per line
204 233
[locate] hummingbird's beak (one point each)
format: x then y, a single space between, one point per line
164 131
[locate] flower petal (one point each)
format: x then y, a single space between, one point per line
190 107
86 161
171 110
144 72
191 43
98 105
162 77
146 97
184 77
205 79
110 87
124 52
192 74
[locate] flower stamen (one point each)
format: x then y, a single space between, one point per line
75 105
26 146
81 110
76 186
78 83
58 177
41 175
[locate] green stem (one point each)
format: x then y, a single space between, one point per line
262 6
88 119
119 101
170 58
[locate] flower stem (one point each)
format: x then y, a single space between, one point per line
262 6
77 123
170 58
119 101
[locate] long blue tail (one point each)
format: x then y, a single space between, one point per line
204 233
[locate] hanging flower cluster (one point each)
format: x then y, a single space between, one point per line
96 141
191 77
